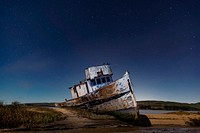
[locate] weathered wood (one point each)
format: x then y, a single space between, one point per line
113 97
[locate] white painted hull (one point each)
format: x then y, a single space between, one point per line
116 98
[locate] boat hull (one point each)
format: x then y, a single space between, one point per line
116 99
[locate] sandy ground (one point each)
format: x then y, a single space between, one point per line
161 123
74 120
156 119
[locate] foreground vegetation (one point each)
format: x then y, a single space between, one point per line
15 115
193 122
164 105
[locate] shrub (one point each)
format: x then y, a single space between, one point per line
15 103
15 115
1 103
193 122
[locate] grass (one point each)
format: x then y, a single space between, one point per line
193 122
181 113
15 115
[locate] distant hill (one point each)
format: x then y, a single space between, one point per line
166 105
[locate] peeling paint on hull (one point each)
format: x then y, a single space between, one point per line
116 98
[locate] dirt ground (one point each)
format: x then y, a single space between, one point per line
176 119
74 122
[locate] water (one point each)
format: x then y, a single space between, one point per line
161 111
156 111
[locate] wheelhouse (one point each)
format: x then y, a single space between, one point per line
96 77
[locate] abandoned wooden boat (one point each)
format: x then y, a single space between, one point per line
99 93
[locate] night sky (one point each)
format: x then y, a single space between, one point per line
45 45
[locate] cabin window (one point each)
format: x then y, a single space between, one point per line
108 79
103 80
100 73
93 82
98 81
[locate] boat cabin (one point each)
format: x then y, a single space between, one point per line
96 77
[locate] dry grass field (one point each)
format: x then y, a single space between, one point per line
176 118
